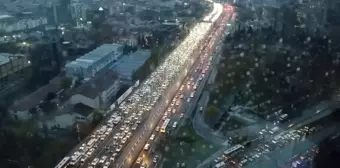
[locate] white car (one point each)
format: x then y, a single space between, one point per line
152 137
143 165
139 160
174 125
147 146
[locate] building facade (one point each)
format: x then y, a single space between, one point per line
91 63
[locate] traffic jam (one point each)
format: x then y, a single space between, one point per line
174 114
107 141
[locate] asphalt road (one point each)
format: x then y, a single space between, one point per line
185 107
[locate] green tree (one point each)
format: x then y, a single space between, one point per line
97 117
212 113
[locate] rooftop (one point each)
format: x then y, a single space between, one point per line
97 84
6 57
82 109
128 64
5 16
95 55
33 99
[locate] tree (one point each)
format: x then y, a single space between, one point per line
33 111
66 83
211 114
97 117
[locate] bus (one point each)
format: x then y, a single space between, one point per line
75 158
91 142
165 124
63 162
233 149
192 94
219 165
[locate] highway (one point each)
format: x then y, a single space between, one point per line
141 110
144 108
181 108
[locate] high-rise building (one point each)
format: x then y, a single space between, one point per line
78 10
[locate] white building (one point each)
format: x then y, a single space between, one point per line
88 65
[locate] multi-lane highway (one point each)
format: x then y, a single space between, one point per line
186 97
118 140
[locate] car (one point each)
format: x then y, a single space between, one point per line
139 160
143 165
119 148
147 146
174 111
181 115
157 129
174 125
152 137
124 140
155 159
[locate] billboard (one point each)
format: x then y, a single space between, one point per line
113 106
124 95
136 84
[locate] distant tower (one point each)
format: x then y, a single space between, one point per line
55 15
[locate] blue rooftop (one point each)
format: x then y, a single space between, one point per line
96 55
128 64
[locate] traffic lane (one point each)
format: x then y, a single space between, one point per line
296 147
102 145
290 142
173 116
149 155
196 79
106 153
158 135
110 141
160 110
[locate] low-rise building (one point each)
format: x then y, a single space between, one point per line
91 63
98 91
20 108
127 66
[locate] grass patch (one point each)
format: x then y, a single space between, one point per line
186 147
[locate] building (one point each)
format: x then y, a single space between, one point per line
14 72
80 114
78 10
20 108
10 24
129 64
98 91
91 63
